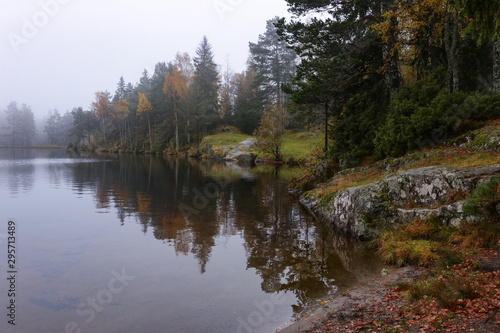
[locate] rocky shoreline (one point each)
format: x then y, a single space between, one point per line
365 211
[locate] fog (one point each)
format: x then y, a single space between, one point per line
55 54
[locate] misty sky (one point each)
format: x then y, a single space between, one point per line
55 54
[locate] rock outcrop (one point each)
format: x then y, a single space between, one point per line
240 152
484 139
364 211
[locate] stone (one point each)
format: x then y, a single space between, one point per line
364 211
240 152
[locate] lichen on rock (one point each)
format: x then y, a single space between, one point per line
364 211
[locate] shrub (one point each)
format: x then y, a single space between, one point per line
483 106
422 242
485 234
270 132
425 114
446 288
398 134
485 199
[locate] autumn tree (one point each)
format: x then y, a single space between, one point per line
145 107
122 109
175 88
420 34
271 129
185 66
186 69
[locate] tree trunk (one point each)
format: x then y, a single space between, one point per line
136 131
392 56
176 132
127 124
451 45
149 128
104 129
496 65
326 128
197 134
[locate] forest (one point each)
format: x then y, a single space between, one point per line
378 78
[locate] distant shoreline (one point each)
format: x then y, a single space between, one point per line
7 147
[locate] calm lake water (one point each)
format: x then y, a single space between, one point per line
150 244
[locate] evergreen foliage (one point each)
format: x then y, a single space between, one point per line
20 125
425 114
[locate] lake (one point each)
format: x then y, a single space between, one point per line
107 243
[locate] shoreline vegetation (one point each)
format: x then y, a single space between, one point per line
298 148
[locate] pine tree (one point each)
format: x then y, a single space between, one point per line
120 90
274 64
21 124
483 18
247 105
53 127
205 89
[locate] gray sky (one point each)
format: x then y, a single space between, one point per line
58 53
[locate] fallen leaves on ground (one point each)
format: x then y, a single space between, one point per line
394 313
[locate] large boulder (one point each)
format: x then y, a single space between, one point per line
364 211
241 152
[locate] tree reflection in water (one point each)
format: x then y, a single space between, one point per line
285 245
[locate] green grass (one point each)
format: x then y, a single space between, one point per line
225 139
298 146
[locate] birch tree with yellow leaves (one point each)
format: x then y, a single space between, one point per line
145 107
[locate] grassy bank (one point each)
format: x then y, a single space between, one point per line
297 146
